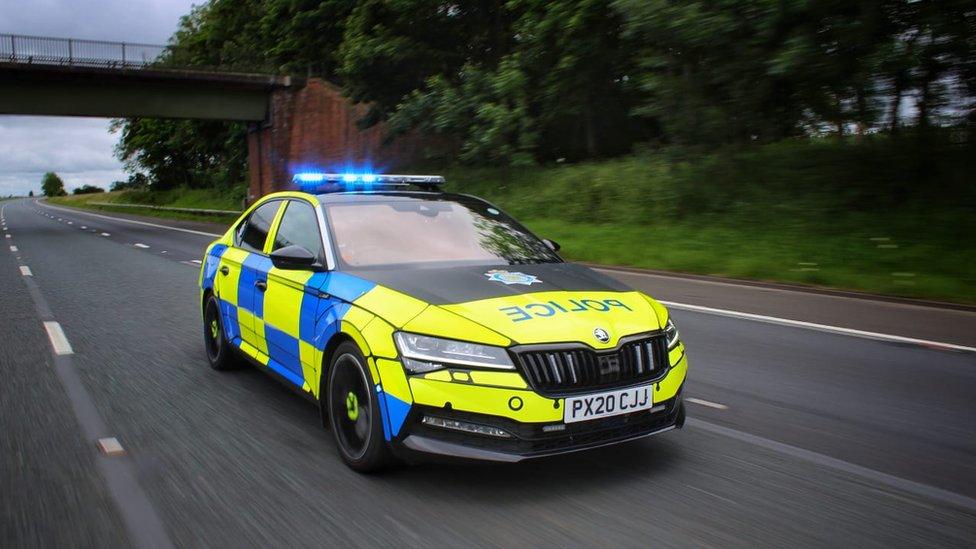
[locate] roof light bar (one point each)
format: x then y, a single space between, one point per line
332 182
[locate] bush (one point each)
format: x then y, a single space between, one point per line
88 189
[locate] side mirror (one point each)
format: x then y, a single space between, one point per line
552 244
294 258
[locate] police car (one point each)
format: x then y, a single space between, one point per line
424 322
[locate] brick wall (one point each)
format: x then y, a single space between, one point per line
314 127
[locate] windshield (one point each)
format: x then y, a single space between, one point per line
435 230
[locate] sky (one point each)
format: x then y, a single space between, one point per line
78 149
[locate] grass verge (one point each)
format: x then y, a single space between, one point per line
177 198
880 216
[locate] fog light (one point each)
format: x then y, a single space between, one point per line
466 427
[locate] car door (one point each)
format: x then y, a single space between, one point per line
252 238
291 299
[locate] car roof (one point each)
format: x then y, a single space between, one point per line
385 196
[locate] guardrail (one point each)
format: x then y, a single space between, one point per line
168 208
45 50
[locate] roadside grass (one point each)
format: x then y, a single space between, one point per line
176 198
858 260
878 216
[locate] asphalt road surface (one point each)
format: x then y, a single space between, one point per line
796 436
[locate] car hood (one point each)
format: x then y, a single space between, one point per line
556 302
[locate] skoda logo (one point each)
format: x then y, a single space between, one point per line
601 335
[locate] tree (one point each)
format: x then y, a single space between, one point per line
30 194
52 185
512 82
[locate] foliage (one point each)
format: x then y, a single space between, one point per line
88 189
736 72
52 185
30 194
521 82
137 180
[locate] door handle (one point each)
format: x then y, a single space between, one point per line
261 285
224 270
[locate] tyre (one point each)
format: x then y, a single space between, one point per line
354 413
220 354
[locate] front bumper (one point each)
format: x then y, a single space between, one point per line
530 441
533 424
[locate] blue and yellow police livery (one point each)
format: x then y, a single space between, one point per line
429 322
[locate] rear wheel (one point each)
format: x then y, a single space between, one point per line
220 355
354 412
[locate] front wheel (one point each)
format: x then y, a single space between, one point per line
220 355
354 412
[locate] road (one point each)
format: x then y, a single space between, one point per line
795 437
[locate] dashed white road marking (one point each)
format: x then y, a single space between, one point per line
106 234
197 261
111 446
83 227
71 223
140 245
25 270
13 248
8 236
707 403
58 340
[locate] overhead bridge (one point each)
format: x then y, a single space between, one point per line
69 77
295 123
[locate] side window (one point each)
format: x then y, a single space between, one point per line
299 227
253 232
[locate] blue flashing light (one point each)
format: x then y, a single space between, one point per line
310 177
331 182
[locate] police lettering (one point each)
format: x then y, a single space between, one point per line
552 308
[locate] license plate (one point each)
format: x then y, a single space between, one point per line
609 403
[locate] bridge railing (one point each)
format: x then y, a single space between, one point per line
43 50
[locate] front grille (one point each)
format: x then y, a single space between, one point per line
572 369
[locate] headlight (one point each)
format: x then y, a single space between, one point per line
671 331
422 353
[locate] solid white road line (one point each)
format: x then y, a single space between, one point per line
707 403
818 327
140 245
13 248
58 340
25 270
878 477
134 222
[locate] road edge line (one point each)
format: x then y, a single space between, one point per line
818 327
132 221
891 481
